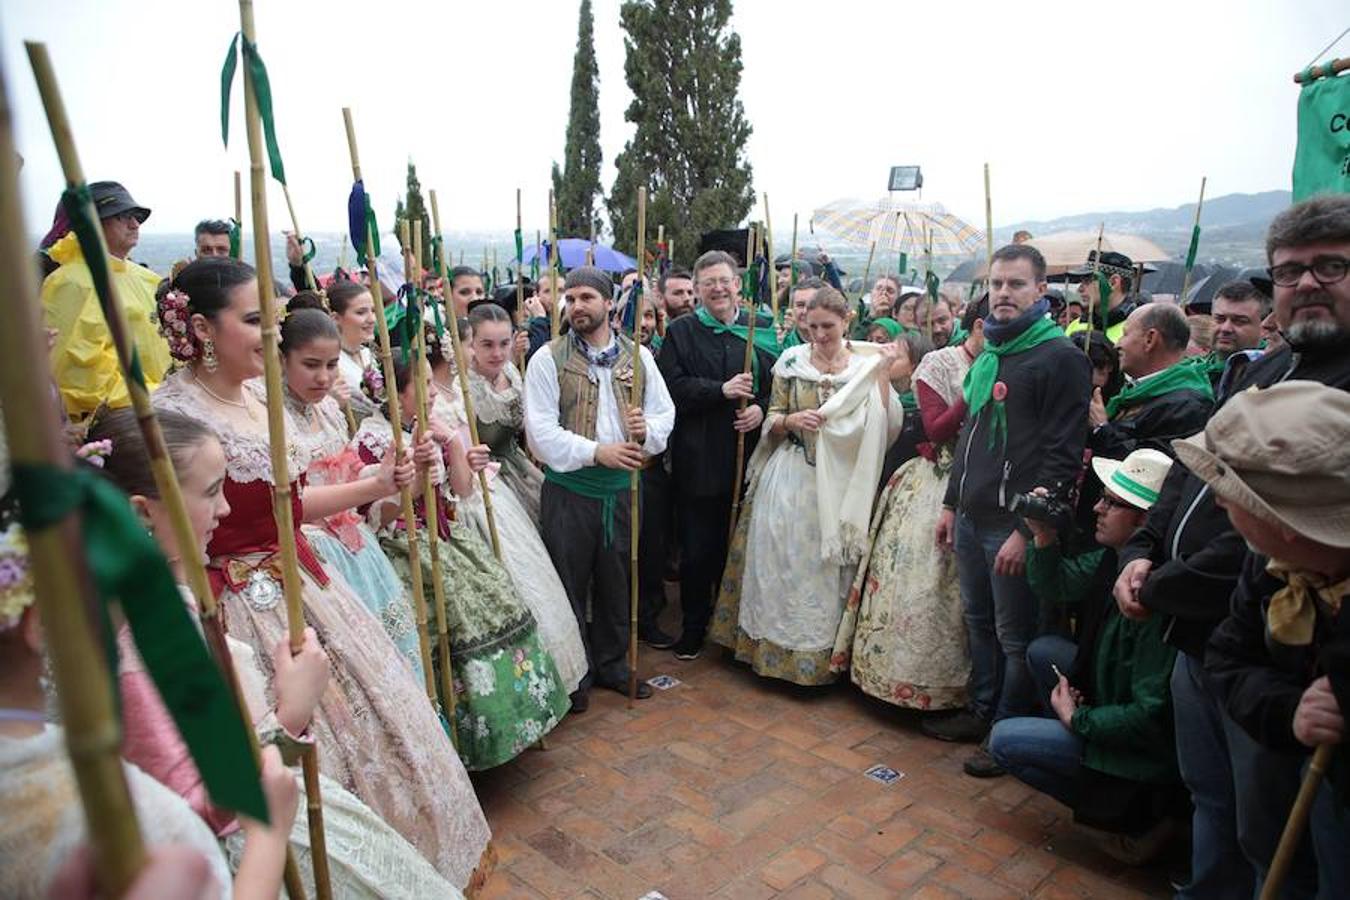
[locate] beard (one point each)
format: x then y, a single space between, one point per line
1316 334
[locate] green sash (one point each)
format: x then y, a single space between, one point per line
978 386
1184 375
597 483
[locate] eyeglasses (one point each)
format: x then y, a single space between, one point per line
1325 270
1111 502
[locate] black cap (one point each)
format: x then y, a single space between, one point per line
1111 263
1260 279
111 199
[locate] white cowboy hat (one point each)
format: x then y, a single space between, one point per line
1137 478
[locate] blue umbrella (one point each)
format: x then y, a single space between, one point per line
572 253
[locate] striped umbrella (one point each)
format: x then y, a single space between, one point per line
898 226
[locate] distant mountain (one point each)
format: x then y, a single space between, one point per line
1233 226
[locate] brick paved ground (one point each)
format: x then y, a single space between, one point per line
734 786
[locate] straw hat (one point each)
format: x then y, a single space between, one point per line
1282 454
1137 478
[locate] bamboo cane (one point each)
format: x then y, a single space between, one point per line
746 369
276 431
928 270
520 284
773 272
988 224
1096 262
65 595
662 251
867 271
553 265
239 211
636 399
412 269
161 465
1190 263
1297 821
395 417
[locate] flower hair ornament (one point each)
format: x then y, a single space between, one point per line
16 577
174 322
95 452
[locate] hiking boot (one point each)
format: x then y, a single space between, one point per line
981 765
688 647
655 638
962 726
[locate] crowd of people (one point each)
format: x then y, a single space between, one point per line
1103 539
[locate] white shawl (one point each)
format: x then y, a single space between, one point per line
850 448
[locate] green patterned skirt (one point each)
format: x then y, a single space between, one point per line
507 691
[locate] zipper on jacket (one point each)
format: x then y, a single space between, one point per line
965 462
1186 517
1003 485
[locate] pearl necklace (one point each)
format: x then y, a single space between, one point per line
240 404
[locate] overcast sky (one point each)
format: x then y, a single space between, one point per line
1076 106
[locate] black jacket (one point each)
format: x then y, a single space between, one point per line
695 362
1260 679
1152 424
1196 553
1048 388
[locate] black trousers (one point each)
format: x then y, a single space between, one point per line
653 545
702 526
573 532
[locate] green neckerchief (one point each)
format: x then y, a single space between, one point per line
958 337
793 339
655 343
597 483
909 402
892 327
1182 376
765 338
978 386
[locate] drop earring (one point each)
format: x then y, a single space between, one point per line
209 355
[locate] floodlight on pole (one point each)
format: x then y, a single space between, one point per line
905 178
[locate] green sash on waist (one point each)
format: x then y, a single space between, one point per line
597 483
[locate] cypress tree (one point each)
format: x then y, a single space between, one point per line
577 185
684 68
416 208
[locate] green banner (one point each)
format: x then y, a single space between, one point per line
1322 160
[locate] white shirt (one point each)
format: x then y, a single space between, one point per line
566 451
351 369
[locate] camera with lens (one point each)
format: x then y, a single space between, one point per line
1048 508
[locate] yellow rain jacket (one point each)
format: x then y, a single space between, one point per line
84 361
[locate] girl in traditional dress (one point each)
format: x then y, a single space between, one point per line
310 359
377 735
495 387
902 633
812 480
508 693
353 311
366 857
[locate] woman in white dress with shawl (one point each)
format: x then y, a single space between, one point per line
813 478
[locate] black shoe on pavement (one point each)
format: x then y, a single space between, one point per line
962 726
644 690
655 638
981 765
581 700
688 647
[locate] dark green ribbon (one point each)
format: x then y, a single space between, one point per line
84 221
1192 250
932 283
129 569
1103 298
404 318
236 239
262 92
520 246
308 248
904 264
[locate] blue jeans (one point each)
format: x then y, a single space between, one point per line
1330 828
1039 752
1000 613
1241 792
1047 650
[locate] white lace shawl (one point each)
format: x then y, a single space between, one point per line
944 371
248 457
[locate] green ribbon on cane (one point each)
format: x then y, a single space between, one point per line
1103 299
1193 249
84 221
236 239
129 569
262 91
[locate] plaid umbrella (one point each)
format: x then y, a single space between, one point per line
898 226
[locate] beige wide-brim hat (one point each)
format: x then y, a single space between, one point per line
1282 454
1137 478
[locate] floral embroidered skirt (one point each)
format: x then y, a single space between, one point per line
779 603
374 580
902 635
507 690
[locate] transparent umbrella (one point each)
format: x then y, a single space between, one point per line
895 225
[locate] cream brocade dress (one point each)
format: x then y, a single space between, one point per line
377 734
902 635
